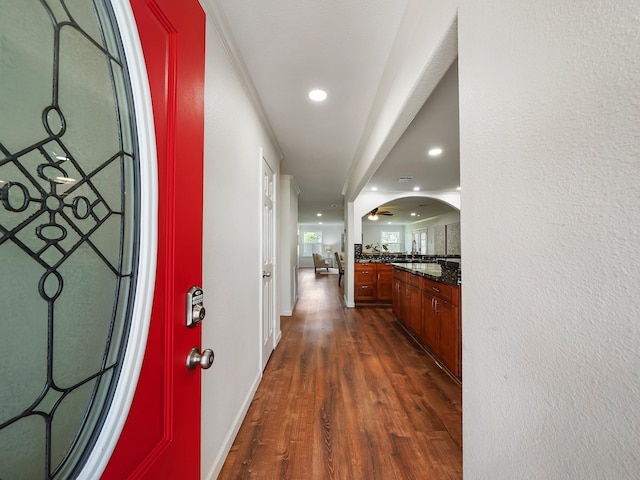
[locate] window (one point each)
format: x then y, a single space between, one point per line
419 242
311 243
392 240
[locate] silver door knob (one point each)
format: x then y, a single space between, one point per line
204 359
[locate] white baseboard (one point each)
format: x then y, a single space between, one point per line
288 312
213 473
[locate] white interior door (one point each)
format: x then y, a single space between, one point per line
268 249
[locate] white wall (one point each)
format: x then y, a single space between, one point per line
331 236
550 175
372 232
419 58
288 244
446 219
417 62
232 280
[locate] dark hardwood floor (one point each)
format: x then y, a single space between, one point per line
348 395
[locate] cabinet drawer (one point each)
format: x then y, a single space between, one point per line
443 291
384 267
415 280
400 275
366 275
365 292
364 265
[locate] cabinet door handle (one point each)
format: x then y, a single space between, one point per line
436 306
432 307
436 289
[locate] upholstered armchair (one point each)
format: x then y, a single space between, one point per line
319 262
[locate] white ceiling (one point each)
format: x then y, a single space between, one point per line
342 46
402 208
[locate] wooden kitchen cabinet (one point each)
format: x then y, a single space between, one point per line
431 331
415 309
373 283
442 322
405 304
449 325
365 282
431 311
398 284
384 284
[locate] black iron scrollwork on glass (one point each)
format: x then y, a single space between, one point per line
52 206
15 197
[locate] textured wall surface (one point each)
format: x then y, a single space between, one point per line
550 175
234 138
287 247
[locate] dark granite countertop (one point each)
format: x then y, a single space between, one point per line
446 272
386 257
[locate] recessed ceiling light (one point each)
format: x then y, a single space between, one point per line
319 223
416 189
317 95
318 214
373 189
388 223
434 152
413 214
459 188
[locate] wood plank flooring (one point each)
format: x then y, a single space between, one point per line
348 395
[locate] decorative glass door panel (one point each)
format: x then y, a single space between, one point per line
68 233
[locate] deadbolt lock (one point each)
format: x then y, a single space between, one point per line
195 307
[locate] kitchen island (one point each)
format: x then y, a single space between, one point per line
426 301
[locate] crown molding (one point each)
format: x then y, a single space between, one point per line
217 18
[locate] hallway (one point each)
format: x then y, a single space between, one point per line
348 395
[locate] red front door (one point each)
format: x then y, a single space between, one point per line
161 438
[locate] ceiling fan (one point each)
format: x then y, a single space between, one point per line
373 215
